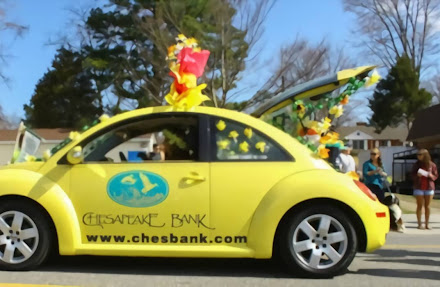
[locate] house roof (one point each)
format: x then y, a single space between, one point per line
398 133
47 134
426 124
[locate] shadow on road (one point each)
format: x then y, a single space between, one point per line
397 256
400 273
405 253
427 262
167 266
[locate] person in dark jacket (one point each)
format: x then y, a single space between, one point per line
424 173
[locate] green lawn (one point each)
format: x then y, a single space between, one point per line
408 203
409 198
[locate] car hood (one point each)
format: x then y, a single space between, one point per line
312 89
31 166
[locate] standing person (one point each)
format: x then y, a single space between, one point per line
373 174
424 173
344 161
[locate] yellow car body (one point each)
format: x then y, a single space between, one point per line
237 199
212 208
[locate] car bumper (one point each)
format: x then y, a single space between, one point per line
377 227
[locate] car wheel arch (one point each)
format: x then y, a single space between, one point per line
352 216
40 208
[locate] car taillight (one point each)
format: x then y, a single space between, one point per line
365 190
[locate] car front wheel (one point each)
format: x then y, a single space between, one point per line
25 237
319 241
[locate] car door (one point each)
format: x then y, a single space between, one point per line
143 199
245 165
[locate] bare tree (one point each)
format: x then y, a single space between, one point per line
299 62
391 28
432 85
247 18
7 25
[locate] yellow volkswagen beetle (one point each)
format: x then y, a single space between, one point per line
205 183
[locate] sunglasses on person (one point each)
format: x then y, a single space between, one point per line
419 154
373 153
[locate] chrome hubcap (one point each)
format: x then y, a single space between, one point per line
18 237
320 241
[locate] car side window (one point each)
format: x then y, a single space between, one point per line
170 138
233 141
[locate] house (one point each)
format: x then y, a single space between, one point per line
425 133
425 130
51 137
363 137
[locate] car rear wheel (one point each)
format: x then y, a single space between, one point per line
319 242
25 236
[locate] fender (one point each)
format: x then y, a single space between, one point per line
294 190
51 197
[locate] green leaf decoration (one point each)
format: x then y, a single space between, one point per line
174 139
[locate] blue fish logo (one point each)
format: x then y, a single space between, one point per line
137 189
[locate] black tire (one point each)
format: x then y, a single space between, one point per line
45 238
297 263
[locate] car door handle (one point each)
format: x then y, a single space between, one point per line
193 177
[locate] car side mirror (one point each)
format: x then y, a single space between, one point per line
75 155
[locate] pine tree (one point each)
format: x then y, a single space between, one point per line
398 98
65 96
129 39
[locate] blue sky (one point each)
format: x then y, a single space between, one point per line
31 56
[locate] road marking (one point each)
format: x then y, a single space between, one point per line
398 246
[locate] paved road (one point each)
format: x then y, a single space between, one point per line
410 259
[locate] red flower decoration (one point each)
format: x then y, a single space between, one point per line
180 88
192 62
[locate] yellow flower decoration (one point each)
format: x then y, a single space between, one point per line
244 147
248 132
223 144
181 38
300 109
221 125
171 52
353 175
74 136
187 100
103 118
337 111
375 77
30 158
233 134
323 126
261 146
330 138
191 42
47 154
323 152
